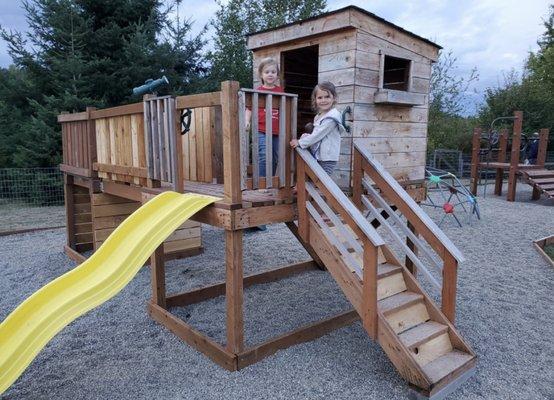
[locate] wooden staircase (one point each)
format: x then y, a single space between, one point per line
416 335
542 181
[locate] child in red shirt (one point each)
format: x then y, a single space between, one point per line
268 72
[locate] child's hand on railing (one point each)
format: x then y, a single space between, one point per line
294 143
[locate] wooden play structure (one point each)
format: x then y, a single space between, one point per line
536 175
541 245
117 158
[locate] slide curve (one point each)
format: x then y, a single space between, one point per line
25 332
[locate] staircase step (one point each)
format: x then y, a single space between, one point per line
407 316
539 173
433 349
390 285
547 187
387 269
544 180
399 301
445 365
422 333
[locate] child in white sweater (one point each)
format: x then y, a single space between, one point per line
324 141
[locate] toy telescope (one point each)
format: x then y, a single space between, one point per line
150 86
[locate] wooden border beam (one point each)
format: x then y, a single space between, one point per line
218 289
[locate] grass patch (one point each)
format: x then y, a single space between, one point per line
549 250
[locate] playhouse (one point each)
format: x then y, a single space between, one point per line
124 158
382 74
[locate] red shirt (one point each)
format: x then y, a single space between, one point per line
274 113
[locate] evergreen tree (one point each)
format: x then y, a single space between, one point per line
230 59
81 53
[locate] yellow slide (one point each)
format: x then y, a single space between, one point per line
25 332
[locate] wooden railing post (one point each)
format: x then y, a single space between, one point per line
357 175
301 198
502 147
157 273
369 295
514 161
475 144
449 282
231 142
91 142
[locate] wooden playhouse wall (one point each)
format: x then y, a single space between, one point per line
109 211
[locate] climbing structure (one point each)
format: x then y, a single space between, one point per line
533 174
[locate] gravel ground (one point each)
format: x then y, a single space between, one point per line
24 217
505 312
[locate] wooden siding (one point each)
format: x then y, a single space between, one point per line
109 211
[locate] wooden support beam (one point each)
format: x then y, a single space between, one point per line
218 289
74 255
300 335
302 197
543 144
411 245
475 144
69 211
357 175
234 290
231 142
369 294
449 282
294 229
514 160
157 273
202 343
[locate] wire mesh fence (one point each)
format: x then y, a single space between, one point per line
36 187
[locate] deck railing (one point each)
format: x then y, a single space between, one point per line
322 202
285 104
199 138
373 190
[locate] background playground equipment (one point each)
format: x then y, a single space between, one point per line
450 187
136 151
483 159
39 318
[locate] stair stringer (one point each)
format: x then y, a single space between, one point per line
352 288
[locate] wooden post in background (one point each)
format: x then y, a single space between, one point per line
234 290
543 144
514 160
231 142
502 147
475 144
91 141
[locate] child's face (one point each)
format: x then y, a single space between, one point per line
269 75
324 100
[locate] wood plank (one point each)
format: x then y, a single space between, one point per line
72 117
199 134
386 113
134 108
390 285
208 347
206 129
300 335
392 34
446 364
422 333
183 244
185 234
385 129
135 134
192 135
218 289
122 170
198 100
74 255
408 317
157 277
115 209
433 349
231 158
234 289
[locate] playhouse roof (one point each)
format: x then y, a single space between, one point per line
367 13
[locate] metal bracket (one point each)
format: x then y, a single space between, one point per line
347 110
185 118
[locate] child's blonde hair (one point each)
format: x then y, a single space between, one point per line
325 86
264 63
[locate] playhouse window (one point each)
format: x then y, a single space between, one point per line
396 73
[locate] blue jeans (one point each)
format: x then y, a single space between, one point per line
261 152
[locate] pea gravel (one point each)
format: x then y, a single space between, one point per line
504 311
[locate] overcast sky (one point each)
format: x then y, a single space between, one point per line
494 36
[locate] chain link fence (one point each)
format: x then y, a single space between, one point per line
31 198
